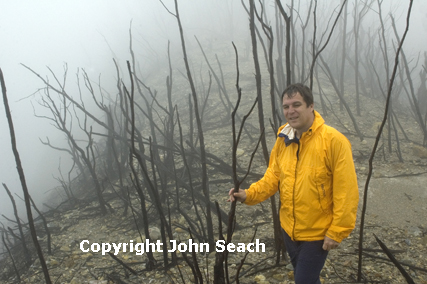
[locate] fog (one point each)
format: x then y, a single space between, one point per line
79 34
88 35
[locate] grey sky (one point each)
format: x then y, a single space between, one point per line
50 33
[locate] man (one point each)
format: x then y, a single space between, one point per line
311 165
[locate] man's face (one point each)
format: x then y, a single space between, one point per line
297 113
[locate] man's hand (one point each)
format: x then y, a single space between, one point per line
239 196
329 244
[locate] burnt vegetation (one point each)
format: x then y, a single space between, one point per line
154 158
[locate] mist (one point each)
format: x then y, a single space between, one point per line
88 35
79 35
85 36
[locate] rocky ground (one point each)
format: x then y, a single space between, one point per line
405 235
396 214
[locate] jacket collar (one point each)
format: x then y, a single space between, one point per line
288 132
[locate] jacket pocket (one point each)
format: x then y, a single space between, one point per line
323 181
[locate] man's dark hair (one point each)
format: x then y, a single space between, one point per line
303 90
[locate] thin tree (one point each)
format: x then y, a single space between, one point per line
257 77
20 229
10 255
288 42
304 25
237 182
415 102
384 50
358 15
316 51
343 52
60 114
205 185
23 182
371 158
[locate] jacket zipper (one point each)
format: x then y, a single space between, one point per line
293 195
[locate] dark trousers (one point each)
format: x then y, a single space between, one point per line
307 258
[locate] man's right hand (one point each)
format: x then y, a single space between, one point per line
239 196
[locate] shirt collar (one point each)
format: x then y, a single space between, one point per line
288 132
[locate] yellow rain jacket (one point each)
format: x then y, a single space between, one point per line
317 182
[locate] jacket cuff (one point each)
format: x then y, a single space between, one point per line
249 199
335 236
